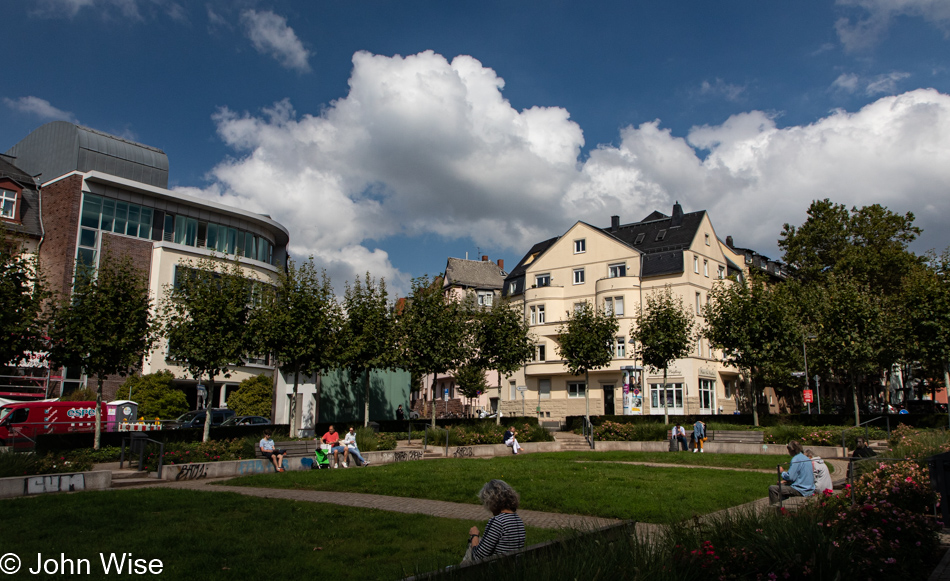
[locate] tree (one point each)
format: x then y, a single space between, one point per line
584 343
252 397
471 380
205 317
849 336
23 293
368 338
105 326
755 327
664 332
503 341
156 395
433 331
298 322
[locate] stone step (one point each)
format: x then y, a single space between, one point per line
129 482
124 474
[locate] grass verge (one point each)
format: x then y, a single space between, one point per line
547 482
205 535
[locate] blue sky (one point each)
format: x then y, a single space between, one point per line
390 135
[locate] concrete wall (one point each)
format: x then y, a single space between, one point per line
32 485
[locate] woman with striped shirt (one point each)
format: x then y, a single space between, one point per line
504 532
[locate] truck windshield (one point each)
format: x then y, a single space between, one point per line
4 412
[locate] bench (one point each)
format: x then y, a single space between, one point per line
736 436
293 447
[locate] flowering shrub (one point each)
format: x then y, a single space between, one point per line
908 442
624 432
213 451
818 436
487 433
905 485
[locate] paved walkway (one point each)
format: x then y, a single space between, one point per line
660 465
548 520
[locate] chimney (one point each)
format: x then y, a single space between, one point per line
501 263
677 215
729 242
614 223
484 258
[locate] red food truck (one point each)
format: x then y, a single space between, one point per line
20 423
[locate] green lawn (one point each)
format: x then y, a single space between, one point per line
219 535
552 482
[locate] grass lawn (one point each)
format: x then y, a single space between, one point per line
550 482
204 535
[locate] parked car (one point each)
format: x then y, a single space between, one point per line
246 421
196 418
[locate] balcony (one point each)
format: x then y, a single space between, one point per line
549 292
616 284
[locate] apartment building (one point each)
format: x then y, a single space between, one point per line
97 190
616 268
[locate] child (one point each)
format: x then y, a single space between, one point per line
275 456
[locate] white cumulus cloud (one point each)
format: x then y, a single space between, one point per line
40 108
270 35
884 84
422 145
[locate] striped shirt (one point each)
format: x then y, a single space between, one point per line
504 533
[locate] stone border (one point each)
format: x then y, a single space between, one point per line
49 483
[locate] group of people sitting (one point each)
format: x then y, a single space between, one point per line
698 436
806 474
331 442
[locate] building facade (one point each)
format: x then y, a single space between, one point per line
98 192
617 268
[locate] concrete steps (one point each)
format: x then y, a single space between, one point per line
127 478
570 441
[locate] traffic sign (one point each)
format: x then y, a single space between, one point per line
808 396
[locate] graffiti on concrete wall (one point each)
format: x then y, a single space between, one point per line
192 472
55 483
407 456
464 452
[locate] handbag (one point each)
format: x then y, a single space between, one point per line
467 559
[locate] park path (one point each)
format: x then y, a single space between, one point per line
548 520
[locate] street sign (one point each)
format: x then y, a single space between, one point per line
445 394
522 388
808 396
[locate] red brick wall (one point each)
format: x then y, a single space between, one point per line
140 251
61 207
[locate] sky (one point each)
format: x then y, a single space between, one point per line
388 136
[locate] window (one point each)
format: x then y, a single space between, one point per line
616 270
707 239
540 314
707 393
537 315
113 216
640 238
485 298
578 307
609 305
621 348
542 280
618 306
544 388
575 390
512 286
578 276
7 204
88 246
580 246
699 302
514 389
674 395
706 268
728 387
541 354
722 272
660 235
696 264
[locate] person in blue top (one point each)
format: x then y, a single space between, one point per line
699 436
798 480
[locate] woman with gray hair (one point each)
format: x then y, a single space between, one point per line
504 532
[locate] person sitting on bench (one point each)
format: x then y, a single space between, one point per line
679 435
275 456
799 480
511 441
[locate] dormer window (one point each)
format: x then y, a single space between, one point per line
660 235
580 246
640 238
8 204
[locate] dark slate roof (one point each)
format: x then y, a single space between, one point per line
660 235
662 263
482 274
30 202
536 251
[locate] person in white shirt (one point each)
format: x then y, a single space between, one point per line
822 477
679 435
349 442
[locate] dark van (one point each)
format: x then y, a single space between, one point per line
196 418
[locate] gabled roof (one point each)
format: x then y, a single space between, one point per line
532 255
481 274
660 235
30 200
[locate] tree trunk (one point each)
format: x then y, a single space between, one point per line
498 411
755 400
854 397
946 385
587 394
666 404
273 399
208 415
293 403
366 402
434 375
316 403
95 441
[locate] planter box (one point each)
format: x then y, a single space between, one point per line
49 483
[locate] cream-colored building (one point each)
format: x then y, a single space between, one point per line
616 268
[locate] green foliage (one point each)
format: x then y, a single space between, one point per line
253 397
368 335
211 451
29 464
22 293
368 440
503 341
471 380
487 433
105 326
908 442
585 339
205 317
156 395
819 435
80 394
926 313
631 432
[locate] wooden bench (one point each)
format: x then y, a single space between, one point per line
736 436
293 447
